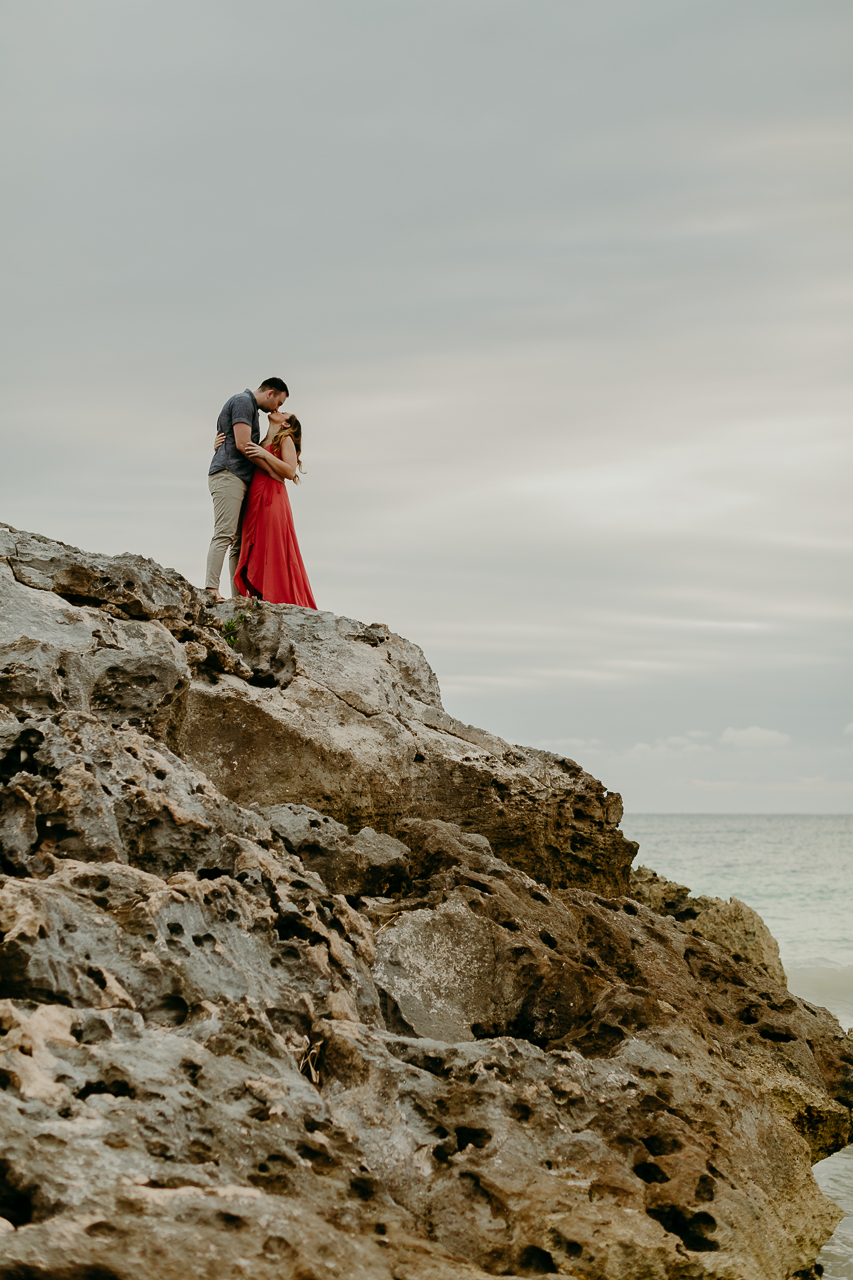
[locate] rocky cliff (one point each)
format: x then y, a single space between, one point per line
300 977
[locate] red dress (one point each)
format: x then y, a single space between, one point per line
270 566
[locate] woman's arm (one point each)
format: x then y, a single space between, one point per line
282 469
264 464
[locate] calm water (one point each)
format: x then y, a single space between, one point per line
797 871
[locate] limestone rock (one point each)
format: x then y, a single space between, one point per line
365 864
79 788
99 634
54 657
733 925
244 1032
348 719
128 586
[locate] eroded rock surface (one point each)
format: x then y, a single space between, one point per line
734 925
348 718
241 1036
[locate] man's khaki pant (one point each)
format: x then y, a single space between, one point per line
228 492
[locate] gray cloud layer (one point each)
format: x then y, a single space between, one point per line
563 293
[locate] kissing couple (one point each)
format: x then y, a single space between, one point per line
252 518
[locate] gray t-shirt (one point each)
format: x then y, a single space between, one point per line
240 408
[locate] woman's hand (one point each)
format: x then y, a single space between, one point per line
254 451
218 439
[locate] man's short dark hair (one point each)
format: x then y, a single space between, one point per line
274 384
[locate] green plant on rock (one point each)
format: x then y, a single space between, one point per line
231 629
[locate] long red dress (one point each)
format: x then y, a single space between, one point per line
270 565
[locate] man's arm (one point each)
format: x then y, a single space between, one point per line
243 441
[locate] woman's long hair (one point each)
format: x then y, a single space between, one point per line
292 428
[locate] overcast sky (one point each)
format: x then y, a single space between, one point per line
563 292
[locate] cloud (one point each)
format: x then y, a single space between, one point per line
754 739
673 745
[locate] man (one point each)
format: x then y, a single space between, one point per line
232 469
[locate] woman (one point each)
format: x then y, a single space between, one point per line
270 565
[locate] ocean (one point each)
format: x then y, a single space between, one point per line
796 870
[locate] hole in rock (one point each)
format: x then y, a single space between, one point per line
629 909
160 1151
211 873
776 1035
103 1230
650 1172
20 758
281 1157
548 939
570 1248
291 927
231 1221
118 1089
380 1229
488 1031
602 1043
16 1201
364 1187
23 1271
97 977
539 897
313 1125
469 1137
98 883
520 1111
199 1152
275 1183
705 1188
661 1144
175 929
536 1262
49 827
169 1011
262 680
320 1160
691 1228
